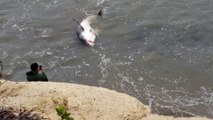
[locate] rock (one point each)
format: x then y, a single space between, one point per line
84 102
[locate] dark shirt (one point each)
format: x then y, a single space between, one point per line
35 76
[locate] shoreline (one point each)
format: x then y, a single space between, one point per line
84 102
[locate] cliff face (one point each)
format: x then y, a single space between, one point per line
84 102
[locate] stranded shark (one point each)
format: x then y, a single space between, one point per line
85 32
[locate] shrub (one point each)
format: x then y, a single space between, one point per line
62 112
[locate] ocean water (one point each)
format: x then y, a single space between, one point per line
159 51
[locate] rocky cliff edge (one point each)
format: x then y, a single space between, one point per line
83 102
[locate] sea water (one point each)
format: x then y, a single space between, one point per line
159 51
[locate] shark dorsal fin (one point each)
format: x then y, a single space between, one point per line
78 23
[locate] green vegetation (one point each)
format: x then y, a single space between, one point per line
62 112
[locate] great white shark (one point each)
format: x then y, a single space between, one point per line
85 32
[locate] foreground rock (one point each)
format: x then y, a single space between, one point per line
84 102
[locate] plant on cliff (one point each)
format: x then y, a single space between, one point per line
62 112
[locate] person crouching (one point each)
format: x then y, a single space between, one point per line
36 73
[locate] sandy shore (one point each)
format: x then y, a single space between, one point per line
84 102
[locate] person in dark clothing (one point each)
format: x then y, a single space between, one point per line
1 64
36 73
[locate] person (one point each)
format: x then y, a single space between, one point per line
1 64
36 73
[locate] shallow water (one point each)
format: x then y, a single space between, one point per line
159 51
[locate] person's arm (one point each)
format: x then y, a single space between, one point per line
44 77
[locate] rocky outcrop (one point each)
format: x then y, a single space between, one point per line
84 102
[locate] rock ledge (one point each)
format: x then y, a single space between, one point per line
84 102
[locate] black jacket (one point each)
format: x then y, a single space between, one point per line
35 76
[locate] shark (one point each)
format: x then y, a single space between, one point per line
85 32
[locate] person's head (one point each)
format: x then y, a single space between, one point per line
34 66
